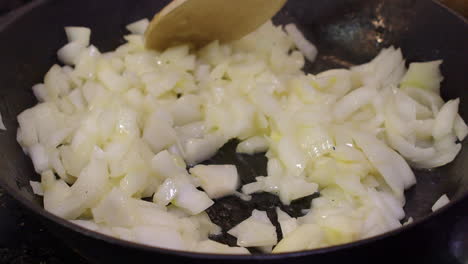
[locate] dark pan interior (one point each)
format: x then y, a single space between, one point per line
346 32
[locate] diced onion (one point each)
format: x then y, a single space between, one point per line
255 231
37 188
70 53
40 92
253 145
353 101
217 180
409 221
423 75
80 35
445 119
112 130
39 157
304 237
306 47
2 126
287 223
138 27
441 202
460 127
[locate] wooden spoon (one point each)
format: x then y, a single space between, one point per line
201 21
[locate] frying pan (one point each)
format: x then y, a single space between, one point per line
346 32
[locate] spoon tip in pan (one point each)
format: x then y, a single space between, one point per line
199 22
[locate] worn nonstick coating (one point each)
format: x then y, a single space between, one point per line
346 32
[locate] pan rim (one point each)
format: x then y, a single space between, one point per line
9 20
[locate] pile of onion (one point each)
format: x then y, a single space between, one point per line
113 128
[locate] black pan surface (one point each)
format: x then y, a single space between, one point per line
346 32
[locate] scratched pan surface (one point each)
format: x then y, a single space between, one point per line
346 32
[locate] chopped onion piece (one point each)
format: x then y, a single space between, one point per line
210 246
166 192
386 69
115 209
70 53
353 101
111 79
138 27
253 145
217 180
37 188
39 157
191 200
441 202
186 109
460 127
306 47
391 166
200 149
409 221
166 165
287 223
158 131
40 92
79 35
255 231
2 126
423 75
304 237
445 119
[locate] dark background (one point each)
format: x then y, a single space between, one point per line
23 239
7 5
